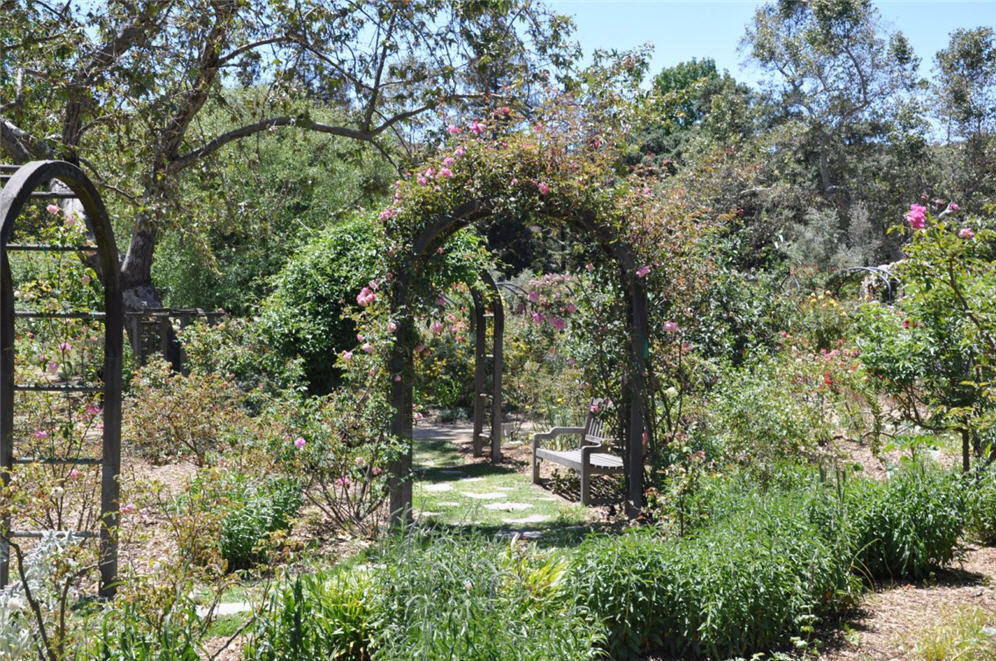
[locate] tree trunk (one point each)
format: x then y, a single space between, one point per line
965 449
138 292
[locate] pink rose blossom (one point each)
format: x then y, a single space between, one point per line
128 509
343 481
436 327
41 433
445 173
953 206
391 327
377 470
449 162
52 367
505 110
360 461
966 233
476 128
367 347
533 296
459 151
594 408
65 346
360 337
387 214
544 189
347 356
557 323
299 442
397 378
642 271
670 326
440 301
452 129
917 216
537 318
52 209
422 181
74 473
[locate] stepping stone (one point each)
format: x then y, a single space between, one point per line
442 486
225 609
472 479
508 507
428 513
521 534
448 503
532 518
490 495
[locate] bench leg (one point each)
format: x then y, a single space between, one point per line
585 485
536 461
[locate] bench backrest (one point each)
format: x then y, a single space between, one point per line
594 425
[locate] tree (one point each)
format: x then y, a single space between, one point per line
121 87
833 69
965 90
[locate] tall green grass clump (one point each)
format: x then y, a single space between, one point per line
750 582
451 598
329 615
907 525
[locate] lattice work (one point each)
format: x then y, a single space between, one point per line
60 399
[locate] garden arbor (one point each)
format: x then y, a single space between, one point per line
21 185
426 241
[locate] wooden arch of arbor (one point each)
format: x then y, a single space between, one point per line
425 244
59 180
487 391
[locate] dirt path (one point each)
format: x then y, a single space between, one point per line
891 621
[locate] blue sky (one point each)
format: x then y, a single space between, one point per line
681 30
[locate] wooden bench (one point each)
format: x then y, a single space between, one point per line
588 459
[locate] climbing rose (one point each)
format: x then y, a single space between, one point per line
391 327
533 296
543 188
453 130
448 162
460 151
445 173
422 181
360 337
52 208
387 214
670 326
39 433
505 110
571 308
595 408
642 271
74 473
917 216
436 327
52 367
557 323
299 443
65 346
347 356
953 207
966 233
476 128
128 509
367 347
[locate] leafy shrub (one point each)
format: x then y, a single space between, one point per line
959 633
907 525
747 584
330 615
447 598
263 512
980 507
171 416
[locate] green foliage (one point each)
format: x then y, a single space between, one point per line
906 526
327 615
933 353
961 632
451 598
431 596
749 583
980 507
262 511
127 633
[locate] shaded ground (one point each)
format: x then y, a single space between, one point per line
892 620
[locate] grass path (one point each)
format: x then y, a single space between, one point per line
453 488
